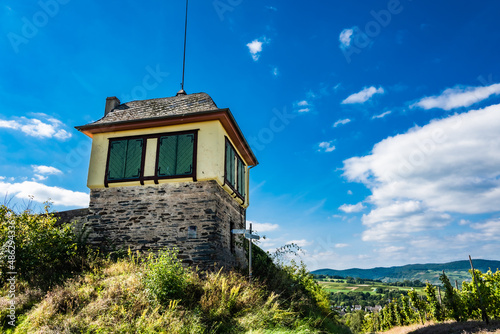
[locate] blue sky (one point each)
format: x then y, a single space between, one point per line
375 122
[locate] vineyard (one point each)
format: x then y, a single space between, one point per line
475 300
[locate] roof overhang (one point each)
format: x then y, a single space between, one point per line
222 115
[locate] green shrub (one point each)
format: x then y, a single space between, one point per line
41 252
165 278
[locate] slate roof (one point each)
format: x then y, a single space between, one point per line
159 108
144 111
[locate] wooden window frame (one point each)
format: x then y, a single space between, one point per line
155 177
237 157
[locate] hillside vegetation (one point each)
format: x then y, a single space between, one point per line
61 286
479 299
458 270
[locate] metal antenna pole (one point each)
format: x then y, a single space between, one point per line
185 38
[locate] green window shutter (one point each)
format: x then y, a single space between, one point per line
133 160
185 148
230 170
167 156
176 155
241 178
125 158
117 154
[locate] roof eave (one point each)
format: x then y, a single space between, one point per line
232 128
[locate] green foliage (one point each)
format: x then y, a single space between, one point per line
290 280
165 278
487 292
419 305
492 290
41 252
114 297
356 321
453 303
434 305
460 305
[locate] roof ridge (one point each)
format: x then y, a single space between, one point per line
170 97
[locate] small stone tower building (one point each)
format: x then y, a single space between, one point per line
169 172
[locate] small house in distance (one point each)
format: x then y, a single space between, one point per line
169 172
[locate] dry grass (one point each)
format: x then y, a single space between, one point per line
449 327
114 299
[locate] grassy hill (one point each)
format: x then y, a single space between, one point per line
147 295
63 286
458 270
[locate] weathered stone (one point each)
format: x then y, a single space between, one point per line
156 216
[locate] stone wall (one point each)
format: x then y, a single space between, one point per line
196 217
70 216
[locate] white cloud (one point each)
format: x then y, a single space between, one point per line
275 71
255 47
48 128
350 208
341 122
382 115
391 249
2 177
302 106
345 37
42 193
419 178
262 227
42 171
326 146
349 192
363 96
459 96
274 9
39 177
46 170
300 243
341 245
9 124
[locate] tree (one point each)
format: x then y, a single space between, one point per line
452 300
418 304
41 252
434 305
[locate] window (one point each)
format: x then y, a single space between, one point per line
175 155
234 171
231 238
240 172
125 157
191 232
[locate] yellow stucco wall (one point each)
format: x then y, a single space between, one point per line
210 163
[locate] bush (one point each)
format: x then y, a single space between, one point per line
165 277
41 252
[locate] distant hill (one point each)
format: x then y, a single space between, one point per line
458 270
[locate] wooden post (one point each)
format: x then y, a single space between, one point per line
250 256
481 305
456 284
